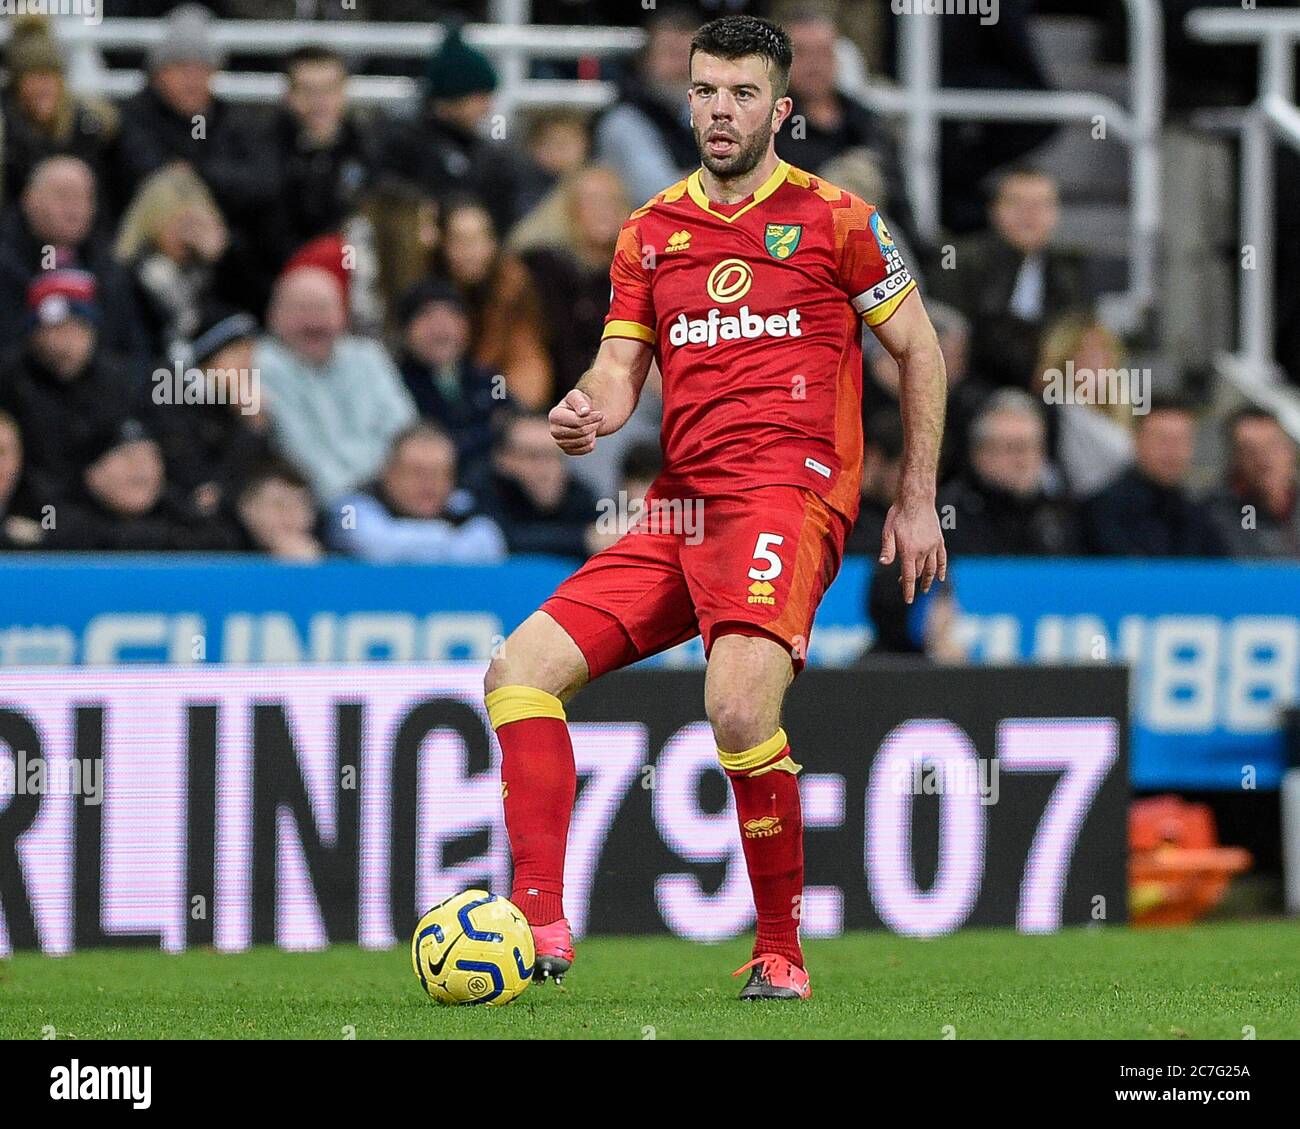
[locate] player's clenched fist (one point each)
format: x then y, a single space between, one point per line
575 424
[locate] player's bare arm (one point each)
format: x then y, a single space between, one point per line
912 532
604 398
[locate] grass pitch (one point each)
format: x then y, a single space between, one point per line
1206 982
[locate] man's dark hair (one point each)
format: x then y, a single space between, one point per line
1170 402
734 37
420 429
313 53
1238 417
1025 171
506 420
272 470
642 460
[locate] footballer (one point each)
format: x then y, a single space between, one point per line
747 283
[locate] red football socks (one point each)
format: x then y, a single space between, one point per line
771 832
538 786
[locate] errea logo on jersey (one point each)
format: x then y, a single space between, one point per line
714 327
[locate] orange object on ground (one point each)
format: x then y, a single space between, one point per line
1177 870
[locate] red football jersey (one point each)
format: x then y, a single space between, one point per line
755 310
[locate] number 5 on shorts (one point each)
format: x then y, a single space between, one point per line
763 552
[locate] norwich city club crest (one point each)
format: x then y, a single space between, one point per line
782 239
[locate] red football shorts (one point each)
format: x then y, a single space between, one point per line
755 562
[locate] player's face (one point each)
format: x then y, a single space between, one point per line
733 113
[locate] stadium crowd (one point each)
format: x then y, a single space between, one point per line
314 330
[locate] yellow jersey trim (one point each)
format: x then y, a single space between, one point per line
633 329
695 189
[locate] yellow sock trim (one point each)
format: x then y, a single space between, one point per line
785 764
517 703
750 759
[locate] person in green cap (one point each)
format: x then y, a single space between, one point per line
453 147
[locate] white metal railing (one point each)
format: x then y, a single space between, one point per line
511 47
919 102
1253 370
1272 117
923 103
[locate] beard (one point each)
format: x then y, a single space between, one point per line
745 158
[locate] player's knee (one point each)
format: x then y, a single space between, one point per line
497 675
539 671
739 722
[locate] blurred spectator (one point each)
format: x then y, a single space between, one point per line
414 513
646 135
61 387
569 265
444 149
176 118
1258 514
999 507
966 391
826 122
175 243
504 307
1010 282
17 529
882 462
640 466
42 118
445 384
924 629
325 154
1078 374
405 230
52 229
277 514
1148 512
1001 55
214 432
336 401
927 626
530 493
557 143
124 504
349 257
